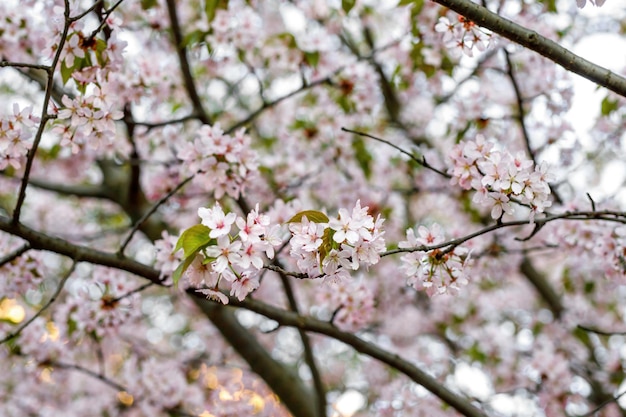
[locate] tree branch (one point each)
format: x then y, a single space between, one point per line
419 161
288 318
543 287
15 254
184 64
44 115
538 43
519 101
41 241
309 357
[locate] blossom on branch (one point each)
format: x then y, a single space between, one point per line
438 270
500 178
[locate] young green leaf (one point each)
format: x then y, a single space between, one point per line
193 239
181 269
313 216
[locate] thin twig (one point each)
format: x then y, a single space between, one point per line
89 372
601 406
606 215
421 161
521 117
24 65
600 332
299 275
252 116
153 209
185 68
153 125
44 115
106 16
135 291
15 254
52 299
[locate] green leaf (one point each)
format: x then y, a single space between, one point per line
193 239
362 155
313 216
312 58
181 269
211 6
327 243
608 106
194 37
66 73
148 4
347 5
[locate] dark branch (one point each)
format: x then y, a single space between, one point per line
184 64
540 44
288 318
41 241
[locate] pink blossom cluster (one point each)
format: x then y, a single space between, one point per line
344 243
221 163
15 135
98 304
234 258
91 122
435 271
166 259
21 274
463 35
500 178
153 392
351 303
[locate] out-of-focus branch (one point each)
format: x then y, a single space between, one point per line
100 377
538 43
78 190
184 64
15 254
309 357
267 105
289 318
543 287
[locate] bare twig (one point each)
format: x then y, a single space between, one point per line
185 68
421 161
521 117
44 115
151 211
89 372
15 254
606 215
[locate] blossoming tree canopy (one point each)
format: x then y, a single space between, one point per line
310 208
